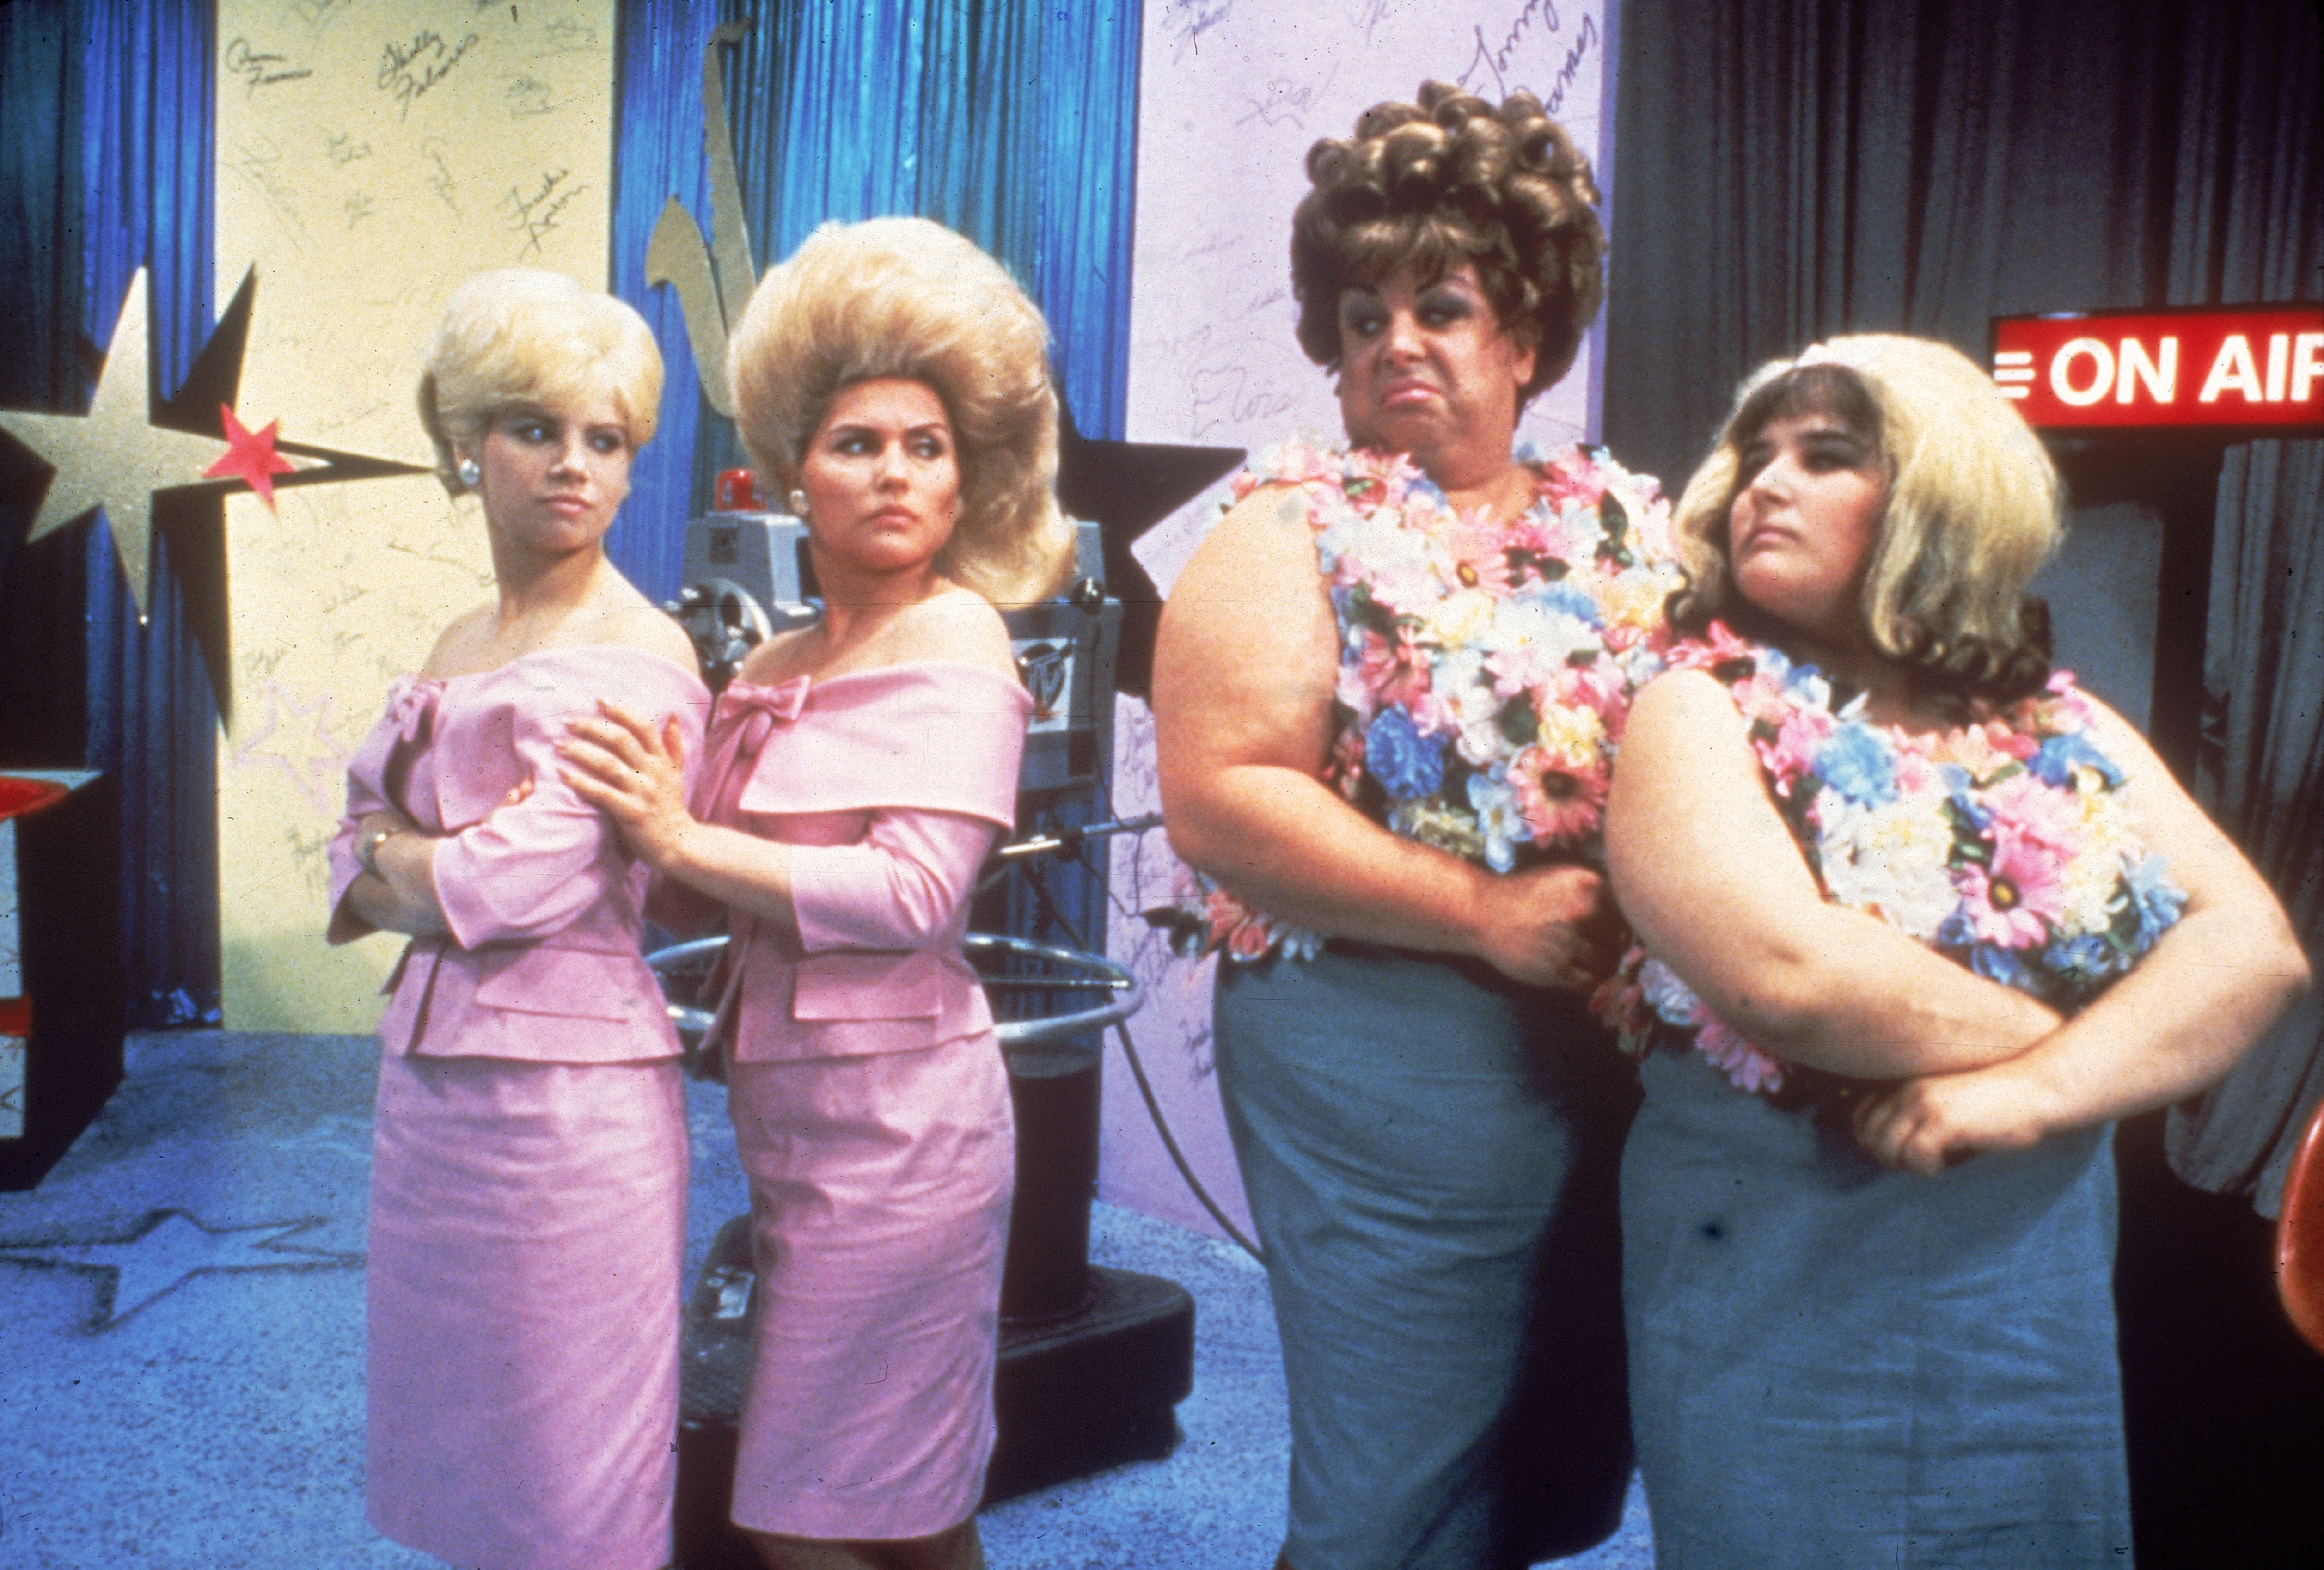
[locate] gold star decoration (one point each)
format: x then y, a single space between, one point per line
114 456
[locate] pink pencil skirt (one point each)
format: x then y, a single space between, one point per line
879 1189
527 1238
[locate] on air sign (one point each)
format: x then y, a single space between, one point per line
2237 366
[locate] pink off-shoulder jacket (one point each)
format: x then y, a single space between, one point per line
543 903
890 786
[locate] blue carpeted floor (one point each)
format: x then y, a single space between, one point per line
181 1354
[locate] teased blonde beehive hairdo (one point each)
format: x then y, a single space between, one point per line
907 297
1972 511
520 337
1446 181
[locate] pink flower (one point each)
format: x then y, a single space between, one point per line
1747 1065
1717 646
1558 804
1479 549
2013 903
2026 809
1571 476
1394 673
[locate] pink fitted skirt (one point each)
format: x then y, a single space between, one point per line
528 1232
880 1190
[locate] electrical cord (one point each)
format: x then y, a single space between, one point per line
1078 842
1178 1157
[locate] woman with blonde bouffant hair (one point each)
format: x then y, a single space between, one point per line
528 1163
891 383
1918 918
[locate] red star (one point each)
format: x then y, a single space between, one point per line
252 459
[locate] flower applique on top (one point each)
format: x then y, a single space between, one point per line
1485 668
2002 844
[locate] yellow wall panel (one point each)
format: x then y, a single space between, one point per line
369 157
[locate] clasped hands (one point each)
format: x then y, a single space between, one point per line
634 774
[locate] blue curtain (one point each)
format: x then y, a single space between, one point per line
140 159
862 109
840 111
658 154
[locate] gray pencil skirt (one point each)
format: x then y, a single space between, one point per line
1429 1152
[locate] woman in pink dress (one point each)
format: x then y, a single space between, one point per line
894 380
529 1164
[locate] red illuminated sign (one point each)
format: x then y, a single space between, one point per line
2253 365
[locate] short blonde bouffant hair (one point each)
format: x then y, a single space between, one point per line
520 338
909 299
1445 180
1973 510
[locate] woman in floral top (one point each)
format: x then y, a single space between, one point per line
1918 917
1387 691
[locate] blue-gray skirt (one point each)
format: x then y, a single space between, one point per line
1835 1364
1429 1152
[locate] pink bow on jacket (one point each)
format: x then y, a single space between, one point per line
745 716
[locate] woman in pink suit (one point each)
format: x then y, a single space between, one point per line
528 1165
894 381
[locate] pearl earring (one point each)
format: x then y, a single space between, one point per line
469 473
798 503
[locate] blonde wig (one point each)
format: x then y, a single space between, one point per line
909 299
1972 510
1451 180
520 337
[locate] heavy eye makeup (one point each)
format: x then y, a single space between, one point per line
925 442
1825 450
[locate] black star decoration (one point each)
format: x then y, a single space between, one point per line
142 459
1125 488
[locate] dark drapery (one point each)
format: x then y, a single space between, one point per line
106 169
1794 169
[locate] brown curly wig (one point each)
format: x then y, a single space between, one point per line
1446 181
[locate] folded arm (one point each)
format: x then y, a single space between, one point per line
2190 1007
1717 889
1244 670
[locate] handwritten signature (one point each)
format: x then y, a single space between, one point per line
258 69
408 70
534 215
1187 20
1225 397
1582 38
530 96
571 38
1497 59
441 182
1285 102
257 163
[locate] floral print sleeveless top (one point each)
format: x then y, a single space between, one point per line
2002 844
1485 668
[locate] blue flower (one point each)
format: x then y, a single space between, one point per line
1406 763
1498 819
2004 965
2060 756
1570 598
1856 760
2085 961
2153 897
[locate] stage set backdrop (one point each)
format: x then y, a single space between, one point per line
259 207
262 204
